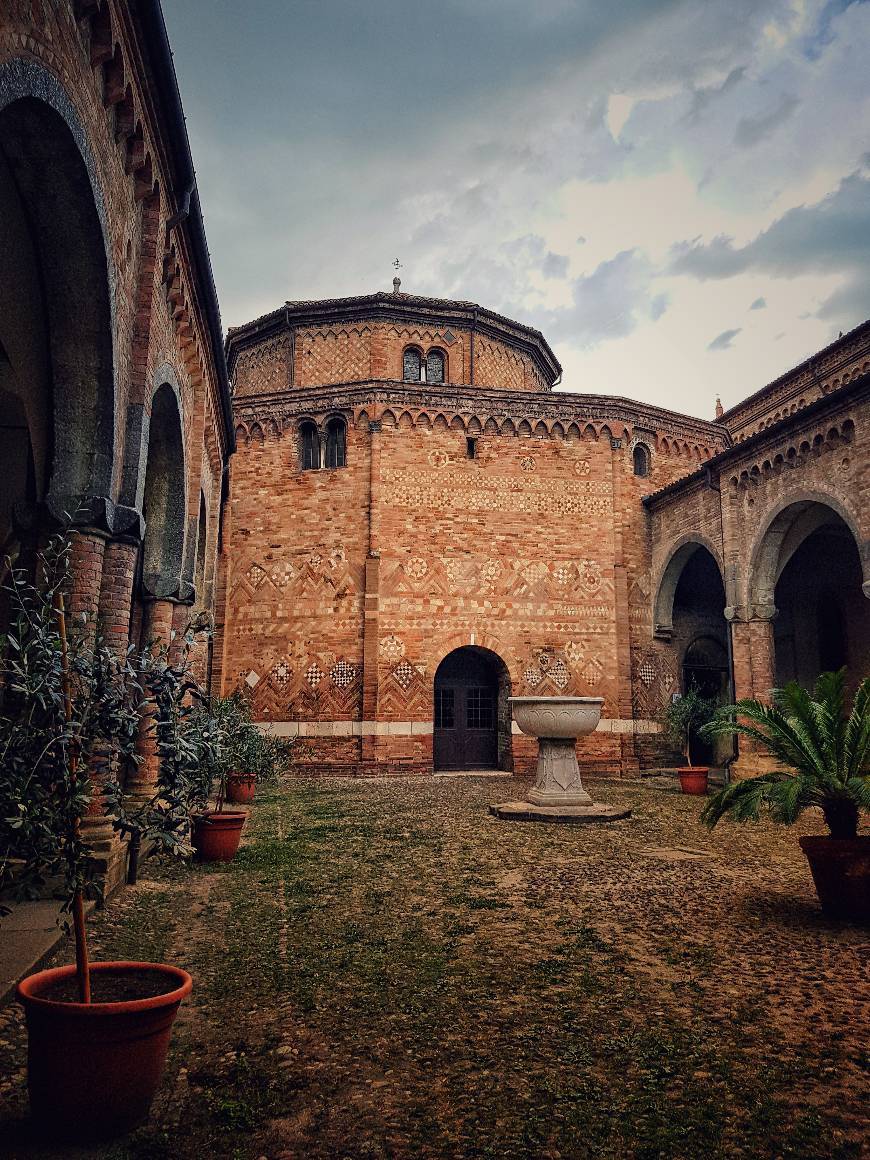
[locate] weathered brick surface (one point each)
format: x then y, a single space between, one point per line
346 588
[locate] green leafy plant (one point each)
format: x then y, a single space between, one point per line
71 708
822 746
188 740
68 708
685 718
247 749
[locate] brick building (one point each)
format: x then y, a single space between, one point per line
421 526
113 385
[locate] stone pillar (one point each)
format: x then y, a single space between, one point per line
156 629
87 549
754 677
116 596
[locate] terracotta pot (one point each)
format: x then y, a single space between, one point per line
693 778
841 872
93 1069
241 787
216 836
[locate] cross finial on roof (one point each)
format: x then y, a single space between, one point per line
397 281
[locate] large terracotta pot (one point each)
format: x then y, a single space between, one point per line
93 1068
841 872
241 787
694 778
216 836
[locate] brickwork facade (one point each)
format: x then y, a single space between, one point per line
114 373
505 519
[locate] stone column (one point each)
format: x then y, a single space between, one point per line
116 596
754 677
87 549
156 628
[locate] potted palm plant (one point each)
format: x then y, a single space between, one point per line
98 1033
822 748
684 718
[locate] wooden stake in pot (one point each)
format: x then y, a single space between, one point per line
83 969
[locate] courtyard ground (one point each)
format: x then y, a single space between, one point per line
386 971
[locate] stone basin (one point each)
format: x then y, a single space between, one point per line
558 794
557 716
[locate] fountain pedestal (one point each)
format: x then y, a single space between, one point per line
558 794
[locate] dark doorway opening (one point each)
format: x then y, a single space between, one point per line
700 636
823 617
471 714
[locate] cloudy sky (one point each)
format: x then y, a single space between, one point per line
676 192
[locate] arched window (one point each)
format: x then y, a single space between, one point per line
309 446
336 443
435 366
411 365
641 459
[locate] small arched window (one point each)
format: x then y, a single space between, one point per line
412 365
336 443
435 366
309 446
641 459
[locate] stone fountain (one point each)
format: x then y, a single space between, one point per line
558 794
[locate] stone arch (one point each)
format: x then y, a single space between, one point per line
809 578
163 499
788 523
665 586
57 322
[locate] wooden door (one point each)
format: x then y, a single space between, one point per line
465 722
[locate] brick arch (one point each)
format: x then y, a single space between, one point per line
55 176
443 646
795 511
668 576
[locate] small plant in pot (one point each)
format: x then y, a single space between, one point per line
249 755
216 831
684 720
823 749
98 1033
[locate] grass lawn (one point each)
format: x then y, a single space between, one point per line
386 971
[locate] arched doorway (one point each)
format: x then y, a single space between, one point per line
809 564
690 609
472 714
163 503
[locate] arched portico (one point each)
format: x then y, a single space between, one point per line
690 614
472 720
807 582
164 497
57 389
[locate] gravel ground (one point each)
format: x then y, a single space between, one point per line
387 971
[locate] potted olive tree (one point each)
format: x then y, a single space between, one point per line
822 748
216 831
250 756
69 707
684 718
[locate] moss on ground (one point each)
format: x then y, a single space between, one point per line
386 971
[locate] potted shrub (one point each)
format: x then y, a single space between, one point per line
823 750
684 719
216 831
98 1033
249 755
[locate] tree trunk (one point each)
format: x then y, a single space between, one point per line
841 818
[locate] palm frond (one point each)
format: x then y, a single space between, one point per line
742 800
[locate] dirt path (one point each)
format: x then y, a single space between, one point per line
386 971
